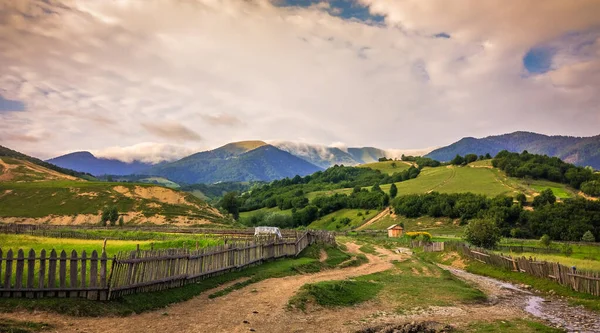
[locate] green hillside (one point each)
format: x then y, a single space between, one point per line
389 167
82 202
32 193
344 219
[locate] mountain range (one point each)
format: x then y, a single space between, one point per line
261 161
581 151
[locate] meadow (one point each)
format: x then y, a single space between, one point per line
389 167
26 242
344 219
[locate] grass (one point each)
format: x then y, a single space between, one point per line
581 264
515 325
435 226
561 191
334 221
580 251
245 215
26 242
389 167
368 248
70 198
335 293
14 326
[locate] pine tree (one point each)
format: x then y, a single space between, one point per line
588 237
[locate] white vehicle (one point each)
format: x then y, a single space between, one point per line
267 231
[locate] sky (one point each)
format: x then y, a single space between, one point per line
159 79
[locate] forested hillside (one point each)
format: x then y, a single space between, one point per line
581 151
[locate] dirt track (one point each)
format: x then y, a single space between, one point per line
262 305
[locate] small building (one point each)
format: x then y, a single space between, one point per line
395 231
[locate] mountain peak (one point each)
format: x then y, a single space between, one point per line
241 147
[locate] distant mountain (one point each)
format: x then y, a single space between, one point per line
32 162
84 161
319 155
238 161
582 151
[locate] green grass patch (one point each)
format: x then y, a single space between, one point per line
335 256
14 326
335 293
515 325
389 167
404 286
343 219
356 261
368 248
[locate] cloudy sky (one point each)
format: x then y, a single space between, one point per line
163 78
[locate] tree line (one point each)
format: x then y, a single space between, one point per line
526 165
568 220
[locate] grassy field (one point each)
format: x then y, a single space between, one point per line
265 210
435 226
581 264
476 178
389 167
25 242
334 221
70 198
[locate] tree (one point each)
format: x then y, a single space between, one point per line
521 199
121 222
457 160
483 233
231 204
393 191
545 197
588 237
488 156
470 158
394 165
545 241
376 188
113 216
105 216
591 188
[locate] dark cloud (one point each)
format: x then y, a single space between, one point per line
172 131
7 105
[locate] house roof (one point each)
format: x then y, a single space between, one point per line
395 226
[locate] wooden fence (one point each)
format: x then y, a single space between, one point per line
137 271
521 249
54 275
582 281
434 247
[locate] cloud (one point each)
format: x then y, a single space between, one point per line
96 70
222 120
7 105
147 152
172 131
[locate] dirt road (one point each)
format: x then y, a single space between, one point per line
261 307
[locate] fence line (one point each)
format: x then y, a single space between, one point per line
582 281
77 275
48 276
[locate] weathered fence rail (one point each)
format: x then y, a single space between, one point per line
521 249
582 281
434 247
100 278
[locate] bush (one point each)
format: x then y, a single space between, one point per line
482 233
419 235
567 249
545 241
588 237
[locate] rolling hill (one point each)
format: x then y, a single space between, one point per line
84 161
240 161
582 151
33 193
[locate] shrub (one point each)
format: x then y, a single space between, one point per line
545 241
567 249
483 233
419 235
588 237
